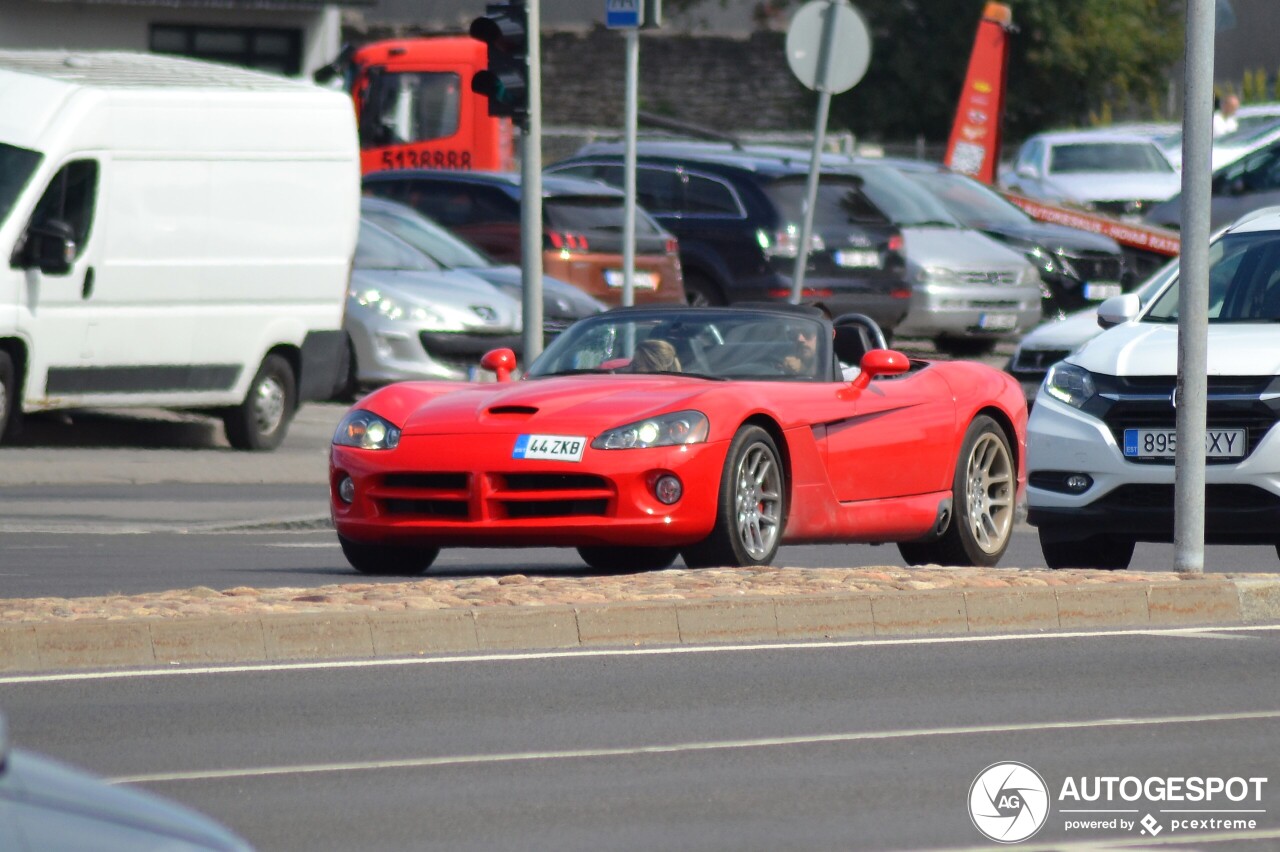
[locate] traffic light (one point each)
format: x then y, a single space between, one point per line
505 82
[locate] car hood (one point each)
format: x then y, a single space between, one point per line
458 297
559 299
1112 186
1151 349
1067 333
1048 235
958 248
59 787
567 405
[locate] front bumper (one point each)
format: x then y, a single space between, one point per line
468 491
945 310
1133 499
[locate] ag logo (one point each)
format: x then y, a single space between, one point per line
1008 802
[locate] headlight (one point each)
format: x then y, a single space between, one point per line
366 430
680 427
938 275
1070 384
393 309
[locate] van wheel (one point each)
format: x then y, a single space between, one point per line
261 421
388 560
8 394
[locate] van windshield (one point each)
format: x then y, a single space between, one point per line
16 167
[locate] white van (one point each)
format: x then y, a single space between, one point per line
179 235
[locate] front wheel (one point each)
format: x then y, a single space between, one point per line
1107 553
982 500
628 558
8 394
388 560
261 421
752 505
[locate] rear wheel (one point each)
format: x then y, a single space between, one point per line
982 500
965 347
628 558
1107 553
388 560
751 508
700 291
261 421
8 394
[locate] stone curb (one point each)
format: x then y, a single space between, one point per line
340 635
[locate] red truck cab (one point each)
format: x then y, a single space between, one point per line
416 109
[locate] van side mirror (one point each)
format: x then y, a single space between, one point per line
50 247
1118 309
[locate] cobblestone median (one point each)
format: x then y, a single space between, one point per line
520 590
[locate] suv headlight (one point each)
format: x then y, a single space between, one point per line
1070 384
666 430
366 430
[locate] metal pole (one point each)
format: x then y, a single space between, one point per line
1193 292
629 169
531 196
819 132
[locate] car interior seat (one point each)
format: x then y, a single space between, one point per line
855 336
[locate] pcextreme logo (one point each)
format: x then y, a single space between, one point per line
1008 802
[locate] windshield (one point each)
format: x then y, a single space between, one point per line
1107 157
583 214
429 238
1244 281
16 168
704 343
904 201
971 202
840 201
416 106
379 249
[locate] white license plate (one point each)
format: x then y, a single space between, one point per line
998 322
1096 291
639 280
552 447
1163 443
852 259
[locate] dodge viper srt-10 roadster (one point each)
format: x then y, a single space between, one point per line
712 434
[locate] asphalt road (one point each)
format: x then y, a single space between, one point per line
860 745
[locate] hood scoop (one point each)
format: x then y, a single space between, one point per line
514 410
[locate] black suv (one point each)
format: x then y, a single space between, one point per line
738 216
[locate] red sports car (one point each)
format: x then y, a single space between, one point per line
714 434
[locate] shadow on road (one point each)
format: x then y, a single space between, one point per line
101 429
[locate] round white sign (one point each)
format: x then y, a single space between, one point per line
850 45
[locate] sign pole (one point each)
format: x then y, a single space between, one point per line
531 196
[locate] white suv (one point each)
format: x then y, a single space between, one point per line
1100 440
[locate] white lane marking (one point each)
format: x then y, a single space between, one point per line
1215 634
677 748
608 652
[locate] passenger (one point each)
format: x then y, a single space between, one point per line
654 356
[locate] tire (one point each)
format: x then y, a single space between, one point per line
349 389
1106 553
699 291
983 495
8 395
261 421
625 559
386 560
965 347
751 508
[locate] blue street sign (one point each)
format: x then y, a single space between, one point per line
621 14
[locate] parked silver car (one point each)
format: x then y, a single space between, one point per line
408 318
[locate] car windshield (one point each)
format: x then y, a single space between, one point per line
379 249
709 343
1107 157
16 168
582 214
1244 282
840 202
429 238
905 202
971 202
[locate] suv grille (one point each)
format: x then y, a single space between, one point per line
1144 402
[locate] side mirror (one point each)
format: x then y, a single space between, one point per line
51 247
880 362
1027 170
1118 309
501 362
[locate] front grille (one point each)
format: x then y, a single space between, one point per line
1123 209
1216 497
463 346
489 496
1007 278
1037 360
1098 266
1144 402
992 304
